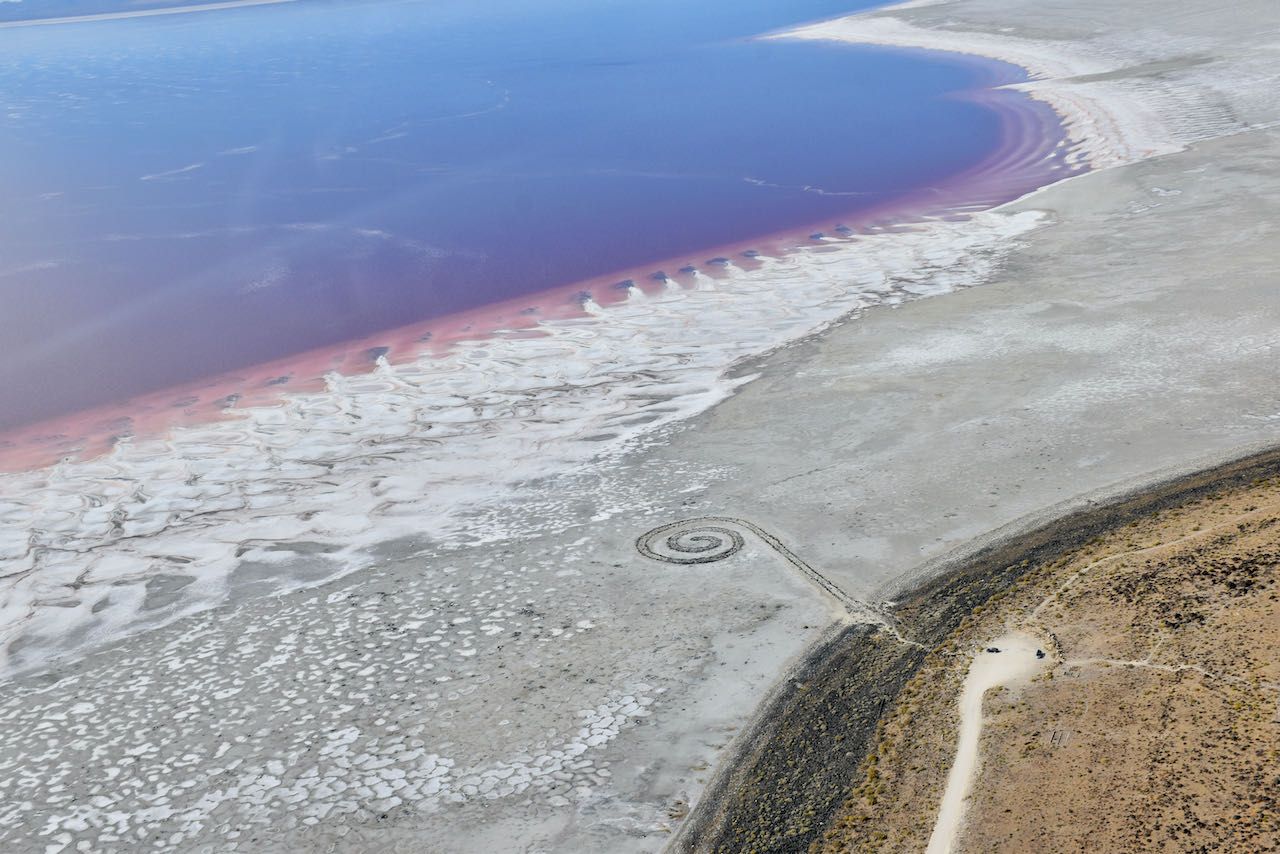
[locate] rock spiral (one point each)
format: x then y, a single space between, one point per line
690 541
707 539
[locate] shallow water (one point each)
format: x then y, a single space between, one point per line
191 194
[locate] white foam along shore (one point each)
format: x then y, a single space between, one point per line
439 449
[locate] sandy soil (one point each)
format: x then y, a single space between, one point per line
1156 726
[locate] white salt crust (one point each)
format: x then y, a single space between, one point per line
339 707
282 496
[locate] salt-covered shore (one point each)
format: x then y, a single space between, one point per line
539 680
286 495
144 520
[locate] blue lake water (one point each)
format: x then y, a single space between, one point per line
188 194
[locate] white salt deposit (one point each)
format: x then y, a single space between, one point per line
295 494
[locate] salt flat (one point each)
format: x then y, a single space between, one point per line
560 691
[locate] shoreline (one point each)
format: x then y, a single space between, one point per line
1029 158
1107 127
404 448
268 475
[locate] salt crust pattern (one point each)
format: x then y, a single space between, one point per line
345 706
295 494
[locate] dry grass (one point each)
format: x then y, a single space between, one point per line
1156 729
